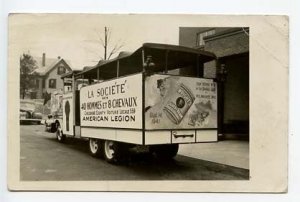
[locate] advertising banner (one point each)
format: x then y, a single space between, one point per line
176 102
116 103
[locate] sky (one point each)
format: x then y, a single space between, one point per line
76 37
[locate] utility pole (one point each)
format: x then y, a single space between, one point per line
109 49
105 43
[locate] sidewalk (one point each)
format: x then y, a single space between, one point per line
230 152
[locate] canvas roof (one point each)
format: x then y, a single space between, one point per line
132 62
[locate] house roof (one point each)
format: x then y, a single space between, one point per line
50 63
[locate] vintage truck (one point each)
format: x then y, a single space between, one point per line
155 97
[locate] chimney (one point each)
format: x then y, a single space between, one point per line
58 57
44 60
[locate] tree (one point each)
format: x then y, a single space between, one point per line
27 65
105 42
115 48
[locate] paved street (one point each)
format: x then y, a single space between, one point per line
43 158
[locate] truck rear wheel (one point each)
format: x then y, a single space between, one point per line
167 151
96 147
114 152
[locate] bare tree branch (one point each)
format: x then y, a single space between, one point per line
115 49
99 38
96 53
108 35
105 43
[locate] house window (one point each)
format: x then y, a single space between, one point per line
32 83
52 83
61 70
37 83
200 37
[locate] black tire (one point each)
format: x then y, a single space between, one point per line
96 147
167 151
54 127
115 152
60 135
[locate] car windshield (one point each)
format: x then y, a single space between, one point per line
27 106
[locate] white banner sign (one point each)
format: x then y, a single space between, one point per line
175 102
116 103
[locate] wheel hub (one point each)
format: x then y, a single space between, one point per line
59 135
109 151
94 145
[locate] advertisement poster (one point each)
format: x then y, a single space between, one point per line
174 102
115 104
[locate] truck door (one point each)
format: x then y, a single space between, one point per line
68 114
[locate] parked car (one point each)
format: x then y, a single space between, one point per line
28 115
51 124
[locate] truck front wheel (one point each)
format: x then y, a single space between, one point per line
114 152
54 127
167 151
59 135
96 147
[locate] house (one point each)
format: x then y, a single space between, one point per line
47 76
231 46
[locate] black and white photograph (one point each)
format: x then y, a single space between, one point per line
133 98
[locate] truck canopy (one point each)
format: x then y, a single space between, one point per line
164 57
